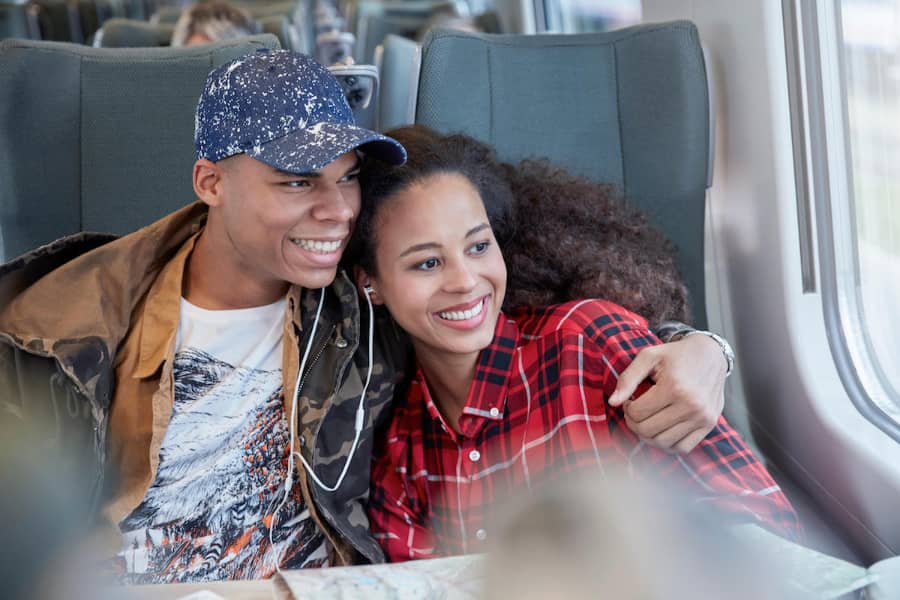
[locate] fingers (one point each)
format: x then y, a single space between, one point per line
650 403
690 441
643 366
656 424
670 431
669 439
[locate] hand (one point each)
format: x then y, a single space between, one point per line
684 405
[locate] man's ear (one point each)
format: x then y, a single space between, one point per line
208 181
366 285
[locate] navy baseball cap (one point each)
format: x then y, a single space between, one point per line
285 110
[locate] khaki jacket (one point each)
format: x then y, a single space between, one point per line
87 333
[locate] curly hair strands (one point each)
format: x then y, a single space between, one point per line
563 237
578 239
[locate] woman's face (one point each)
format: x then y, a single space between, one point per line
440 271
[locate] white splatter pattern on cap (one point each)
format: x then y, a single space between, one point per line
284 109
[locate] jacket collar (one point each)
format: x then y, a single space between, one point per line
79 307
161 313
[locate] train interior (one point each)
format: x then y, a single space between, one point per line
762 137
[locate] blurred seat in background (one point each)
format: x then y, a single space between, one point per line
106 136
130 33
19 21
398 60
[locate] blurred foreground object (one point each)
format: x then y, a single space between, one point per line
612 538
45 515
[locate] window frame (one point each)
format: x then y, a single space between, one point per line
820 123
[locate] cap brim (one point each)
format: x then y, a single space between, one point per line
308 150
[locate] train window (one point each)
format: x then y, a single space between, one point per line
580 16
852 61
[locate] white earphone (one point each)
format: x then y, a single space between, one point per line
357 426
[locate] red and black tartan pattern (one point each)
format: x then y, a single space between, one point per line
536 410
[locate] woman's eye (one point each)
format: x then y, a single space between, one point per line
480 247
428 265
349 177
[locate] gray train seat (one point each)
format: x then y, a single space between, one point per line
19 21
167 15
629 107
131 33
397 59
372 21
59 21
103 140
280 27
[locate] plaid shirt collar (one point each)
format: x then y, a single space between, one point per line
487 394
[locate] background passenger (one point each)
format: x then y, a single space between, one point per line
213 21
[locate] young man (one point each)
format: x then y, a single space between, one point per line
172 360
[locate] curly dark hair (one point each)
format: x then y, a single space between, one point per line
429 154
563 237
579 239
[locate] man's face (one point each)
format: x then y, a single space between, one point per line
279 227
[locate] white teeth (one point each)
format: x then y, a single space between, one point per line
462 315
317 245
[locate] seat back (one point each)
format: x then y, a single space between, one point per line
102 140
167 15
59 21
280 27
628 107
131 33
374 20
19 21
93 14
398 61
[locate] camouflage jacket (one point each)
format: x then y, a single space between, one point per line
66 307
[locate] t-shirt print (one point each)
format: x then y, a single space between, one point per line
223 461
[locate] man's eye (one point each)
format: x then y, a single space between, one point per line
480 247
350 177
428 265
297 183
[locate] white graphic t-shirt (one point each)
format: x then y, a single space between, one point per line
223 461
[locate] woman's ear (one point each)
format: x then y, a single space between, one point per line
366 285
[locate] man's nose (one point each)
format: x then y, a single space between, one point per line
334 205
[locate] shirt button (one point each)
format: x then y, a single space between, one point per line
495 412
340 342
474 455
481 534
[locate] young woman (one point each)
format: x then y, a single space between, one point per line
503 401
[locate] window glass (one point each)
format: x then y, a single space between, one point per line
580 16
870 39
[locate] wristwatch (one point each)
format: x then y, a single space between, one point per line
727 350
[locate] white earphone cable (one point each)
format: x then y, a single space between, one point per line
360 412
289 477
358 423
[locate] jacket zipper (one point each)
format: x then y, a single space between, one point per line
316 357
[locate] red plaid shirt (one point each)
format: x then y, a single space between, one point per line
537 408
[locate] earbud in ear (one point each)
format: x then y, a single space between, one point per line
367 289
